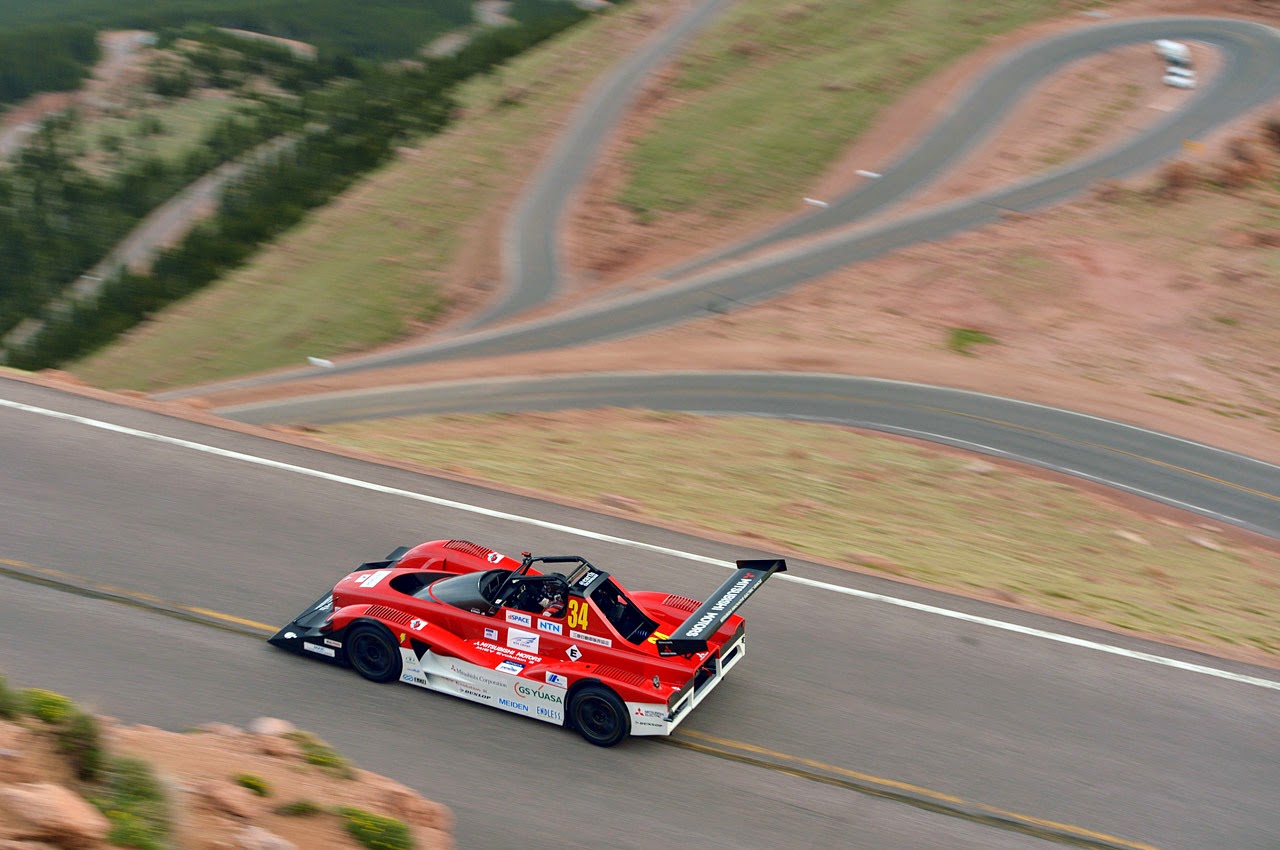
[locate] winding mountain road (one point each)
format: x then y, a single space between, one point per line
1219 484
996 728
817 244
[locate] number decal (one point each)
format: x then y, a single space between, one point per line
578 614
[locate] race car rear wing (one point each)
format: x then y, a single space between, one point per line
691 637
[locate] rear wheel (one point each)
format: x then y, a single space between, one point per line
373 652
599 716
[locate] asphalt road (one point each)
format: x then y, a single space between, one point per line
1087 733
530 255
1216 483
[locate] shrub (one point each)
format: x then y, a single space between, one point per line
1175 179
317 752
298 808
9 702
1271 131
47 706
254 783
80 740
135 805
377 832
962 339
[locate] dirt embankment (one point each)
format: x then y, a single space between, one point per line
208 776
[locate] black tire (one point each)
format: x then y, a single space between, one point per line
373 652
599 716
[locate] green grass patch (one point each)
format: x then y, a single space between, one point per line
10 702
135 805
322 755
376 832
52 708
962 340
774 91
166 130
299 808
254 783
835 494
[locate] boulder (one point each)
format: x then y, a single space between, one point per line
16 755
270 726
228 798
257 838
43 811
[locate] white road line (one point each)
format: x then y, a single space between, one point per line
648 547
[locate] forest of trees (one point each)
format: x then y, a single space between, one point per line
350 129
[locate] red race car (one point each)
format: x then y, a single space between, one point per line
565 643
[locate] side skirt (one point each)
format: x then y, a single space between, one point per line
493 687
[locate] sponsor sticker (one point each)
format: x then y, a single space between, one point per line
538 693
522 640
473 693
490 634
318 649
549 626
513 705
573 652
290 635
494 557
478 675
520 619
372 579
412 679
557 679
508 652
724 605
417 625
337 644
586 638
402 636
515 668
586 580
549 713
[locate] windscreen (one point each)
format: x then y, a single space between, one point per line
627 618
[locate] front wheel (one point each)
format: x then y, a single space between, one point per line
373 653
599 716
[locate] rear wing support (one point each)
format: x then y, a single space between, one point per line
691 637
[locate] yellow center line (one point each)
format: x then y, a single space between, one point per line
230 618
790 764
125 594
917 790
